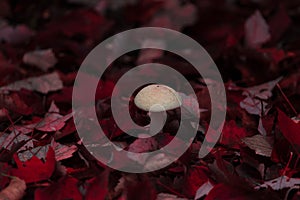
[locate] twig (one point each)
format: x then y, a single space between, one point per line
286 99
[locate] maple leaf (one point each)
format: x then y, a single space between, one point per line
35 170
289 128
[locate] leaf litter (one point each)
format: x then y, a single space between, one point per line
256 47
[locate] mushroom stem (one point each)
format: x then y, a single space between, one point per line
157 122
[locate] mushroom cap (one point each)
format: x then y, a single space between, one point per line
157 98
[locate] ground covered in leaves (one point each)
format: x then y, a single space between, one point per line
256 46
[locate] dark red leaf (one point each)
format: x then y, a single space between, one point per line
289 128
196 177
65 188
222 191
98 187
232 134
279 23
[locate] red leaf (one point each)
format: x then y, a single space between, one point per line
256 30
35 169
196 177
279 23
15 104
289 128
65 188
232 134
98 187
222 191
105 90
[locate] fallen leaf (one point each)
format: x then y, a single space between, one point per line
148 55
14 191
174 15
98 187
263 91
61 152
15 35
195 178
289 129
53 122
35 170
279 23
256 30
276 55
141 145
232 134
255 103
65 188
203 190
14 103
223 191
43 59
44 84
157 161
262 145
280 183
7 141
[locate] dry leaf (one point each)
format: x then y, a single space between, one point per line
156 162
44 84
43 59
203 190
7 141
262 145
14 191
256 30
141 145
280 183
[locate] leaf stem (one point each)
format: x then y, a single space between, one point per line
286 99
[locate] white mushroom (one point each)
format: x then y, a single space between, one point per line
157 99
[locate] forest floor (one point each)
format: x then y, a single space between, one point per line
256 47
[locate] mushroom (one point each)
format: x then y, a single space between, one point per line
157 99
